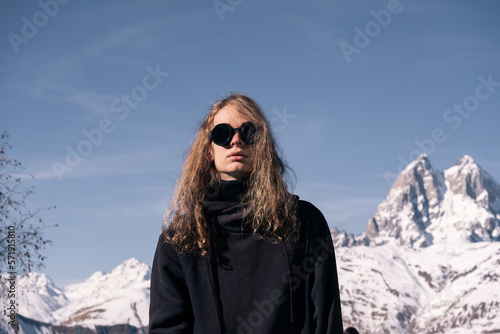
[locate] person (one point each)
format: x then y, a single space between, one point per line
240 253
351 330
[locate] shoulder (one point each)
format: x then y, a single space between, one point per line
164 247
169 257
308 211
311 217
306 206
314 230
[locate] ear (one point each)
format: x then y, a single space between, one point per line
211 153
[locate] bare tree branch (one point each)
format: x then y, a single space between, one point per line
16 218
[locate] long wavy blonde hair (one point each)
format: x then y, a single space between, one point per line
272 208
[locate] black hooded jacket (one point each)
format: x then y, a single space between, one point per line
248 284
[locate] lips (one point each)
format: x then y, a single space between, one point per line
237 155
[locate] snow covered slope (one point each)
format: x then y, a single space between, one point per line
429 259
446 288
120 297
38 297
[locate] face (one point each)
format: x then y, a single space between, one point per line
233 161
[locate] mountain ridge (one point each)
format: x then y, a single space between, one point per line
425 206
120 297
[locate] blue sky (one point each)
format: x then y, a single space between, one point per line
354 90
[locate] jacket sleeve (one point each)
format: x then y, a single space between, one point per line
324 285
170 308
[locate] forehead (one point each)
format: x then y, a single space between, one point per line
231 116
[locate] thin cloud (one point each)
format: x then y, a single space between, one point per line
345 207
130 163
52 77
98 104
463 45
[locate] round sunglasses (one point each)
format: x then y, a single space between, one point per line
223 133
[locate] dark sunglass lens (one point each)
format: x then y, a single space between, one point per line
248 131
222 134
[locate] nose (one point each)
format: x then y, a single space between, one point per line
236 140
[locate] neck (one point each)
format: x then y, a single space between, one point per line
231 190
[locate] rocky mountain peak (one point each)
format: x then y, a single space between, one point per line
421 163
132 267
468 179
425 206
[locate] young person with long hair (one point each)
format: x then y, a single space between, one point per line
240 253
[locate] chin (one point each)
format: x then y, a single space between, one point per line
235 175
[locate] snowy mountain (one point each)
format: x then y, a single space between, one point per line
425 207
445 288
118 298
428 262
39 297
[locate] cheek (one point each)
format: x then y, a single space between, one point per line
216 154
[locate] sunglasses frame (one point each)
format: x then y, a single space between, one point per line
247 133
